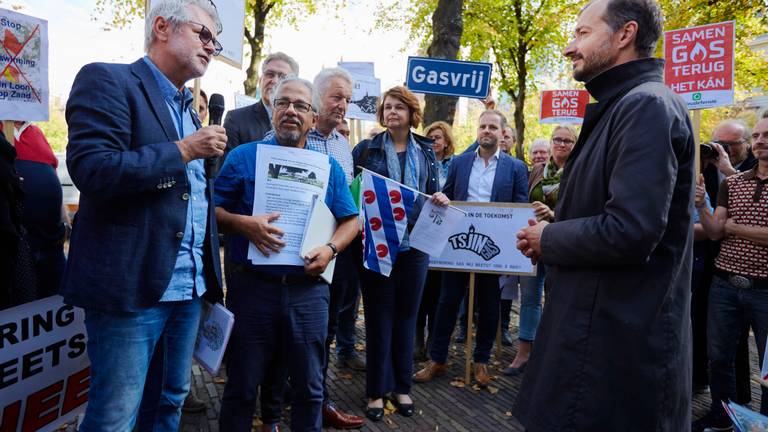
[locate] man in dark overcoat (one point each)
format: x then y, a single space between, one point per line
613 350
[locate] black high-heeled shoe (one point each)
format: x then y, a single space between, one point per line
405 410
374 414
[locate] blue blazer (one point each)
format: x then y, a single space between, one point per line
509 185
133 192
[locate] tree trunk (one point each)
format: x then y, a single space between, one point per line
447 27
255 40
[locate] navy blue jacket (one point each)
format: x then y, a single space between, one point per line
509 185
369 153
133 192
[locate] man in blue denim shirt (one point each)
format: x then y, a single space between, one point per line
281 312
144 246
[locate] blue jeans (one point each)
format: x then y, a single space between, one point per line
531 289
730 308
120 347
278 329
391 305
487 293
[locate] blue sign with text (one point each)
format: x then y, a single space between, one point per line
449 77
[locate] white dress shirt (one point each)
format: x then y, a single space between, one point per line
481 177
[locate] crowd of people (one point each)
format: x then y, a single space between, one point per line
640 263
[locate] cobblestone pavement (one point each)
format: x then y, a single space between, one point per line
442 405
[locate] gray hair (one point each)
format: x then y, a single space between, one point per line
290 79
323 80
539 142
177 12
283 57
745 130
569 127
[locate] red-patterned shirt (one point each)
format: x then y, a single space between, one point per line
746 198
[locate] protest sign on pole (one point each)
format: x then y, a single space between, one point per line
563 106
365 91
44 367
232 15
24 73
484 242
700 64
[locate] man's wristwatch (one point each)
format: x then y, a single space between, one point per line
333 248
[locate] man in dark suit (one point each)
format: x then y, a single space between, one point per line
144 246
618 254
487 175
251 123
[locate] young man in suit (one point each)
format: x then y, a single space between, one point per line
485 175
144 247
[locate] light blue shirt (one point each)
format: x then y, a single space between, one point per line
187 278
335 146
481 177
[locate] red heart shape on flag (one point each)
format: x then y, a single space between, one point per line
375 223
382 251
369 196
399 213
395 196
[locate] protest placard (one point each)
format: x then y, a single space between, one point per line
24 67
563 106
700 64
44 367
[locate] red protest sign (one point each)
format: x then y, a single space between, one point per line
699 64
563 106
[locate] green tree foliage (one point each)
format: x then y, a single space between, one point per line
520 37
259 15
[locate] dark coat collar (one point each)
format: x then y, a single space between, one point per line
155 98
424 142
625 76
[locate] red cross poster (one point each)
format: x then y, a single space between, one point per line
563 106
23 67
699 64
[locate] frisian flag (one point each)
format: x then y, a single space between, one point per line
386 203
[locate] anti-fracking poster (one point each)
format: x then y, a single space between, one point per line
23 67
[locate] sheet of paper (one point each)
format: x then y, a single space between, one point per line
286 180
321 225
434 226
213 335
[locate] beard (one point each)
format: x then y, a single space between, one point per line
288 138
595 63
488 142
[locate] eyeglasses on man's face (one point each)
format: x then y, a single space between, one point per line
299 106
206 36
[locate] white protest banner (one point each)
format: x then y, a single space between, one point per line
485 241
359 68
365 97
232 16
242 100
24 67
435 224
700 64
44 367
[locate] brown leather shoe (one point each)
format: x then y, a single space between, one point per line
334 418
430 371
481 374
267 427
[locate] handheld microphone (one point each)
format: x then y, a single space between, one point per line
215 111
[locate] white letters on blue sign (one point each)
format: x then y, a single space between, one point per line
420 74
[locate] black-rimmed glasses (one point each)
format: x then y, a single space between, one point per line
563 141
299 106
206 36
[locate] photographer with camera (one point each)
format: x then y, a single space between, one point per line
726 154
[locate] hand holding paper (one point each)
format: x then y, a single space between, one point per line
434 226
262 234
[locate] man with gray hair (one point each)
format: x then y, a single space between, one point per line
251 123
332 94
281 312
144 247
